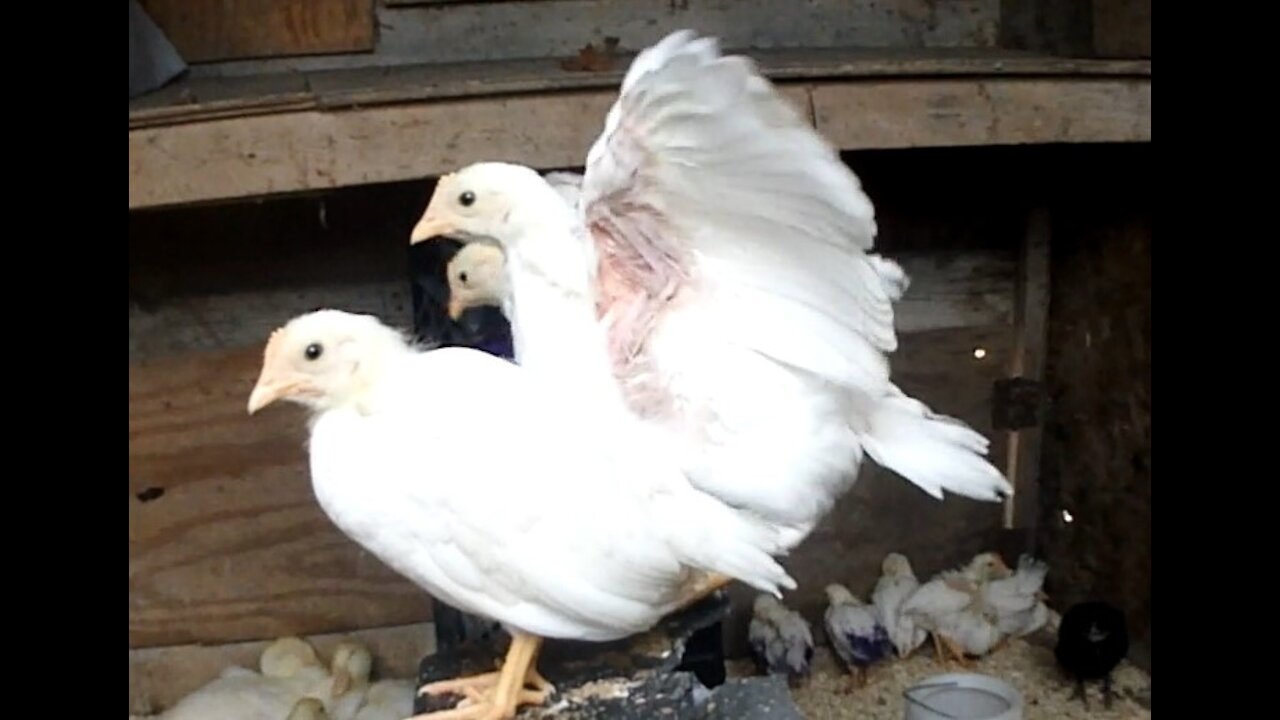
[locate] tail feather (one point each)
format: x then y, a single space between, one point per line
933 451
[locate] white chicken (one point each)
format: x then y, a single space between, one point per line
898 582
530 536
951 608
714 278
477 276
780 639
856 631
1018 600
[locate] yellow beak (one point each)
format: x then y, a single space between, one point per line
435 221
455 308
269 390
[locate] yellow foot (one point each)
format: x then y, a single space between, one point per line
498 695
459 686
957 655
462 686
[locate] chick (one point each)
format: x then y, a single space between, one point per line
308 709
388 700
781 640
236 693
1092 640
294 664
897 582
951 608
290 671
350 668
1018 601
857 634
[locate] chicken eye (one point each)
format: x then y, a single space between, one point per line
467 199
462 277
313 351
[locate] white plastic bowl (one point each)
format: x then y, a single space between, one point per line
963 696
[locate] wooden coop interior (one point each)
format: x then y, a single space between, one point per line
1005 143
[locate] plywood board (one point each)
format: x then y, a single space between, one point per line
226 541
206 30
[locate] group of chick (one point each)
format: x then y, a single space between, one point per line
969 612
292 684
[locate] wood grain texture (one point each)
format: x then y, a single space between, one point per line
206 30
315 150
202 97
159 677
1015 111
226 541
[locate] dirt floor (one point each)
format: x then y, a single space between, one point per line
1026 664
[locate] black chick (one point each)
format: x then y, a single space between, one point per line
1092 640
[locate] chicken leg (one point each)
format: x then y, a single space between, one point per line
957 654
496 695
1080 693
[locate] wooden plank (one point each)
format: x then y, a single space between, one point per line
948 290
931 113
206 30
192 99
1028 360
315 150
159 677
226 541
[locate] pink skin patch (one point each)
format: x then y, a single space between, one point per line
638 277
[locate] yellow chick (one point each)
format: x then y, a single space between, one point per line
308 709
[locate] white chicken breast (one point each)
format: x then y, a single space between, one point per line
898 582
715 278
531 536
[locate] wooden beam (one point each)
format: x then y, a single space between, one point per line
315 149
159 677
1012 111
1022 465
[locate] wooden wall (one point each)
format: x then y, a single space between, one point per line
227 543
440 32
1097 452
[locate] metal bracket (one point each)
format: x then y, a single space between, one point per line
1017 403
